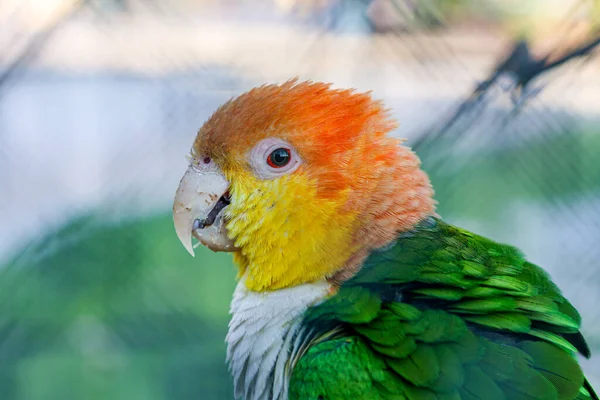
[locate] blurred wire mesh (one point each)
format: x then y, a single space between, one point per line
100 101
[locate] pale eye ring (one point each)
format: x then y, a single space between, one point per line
273 157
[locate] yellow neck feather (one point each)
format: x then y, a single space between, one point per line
286 234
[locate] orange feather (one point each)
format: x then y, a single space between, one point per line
342 137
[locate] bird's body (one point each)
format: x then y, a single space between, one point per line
350 286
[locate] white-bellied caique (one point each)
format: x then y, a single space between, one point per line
350 285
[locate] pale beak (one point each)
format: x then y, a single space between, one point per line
201 197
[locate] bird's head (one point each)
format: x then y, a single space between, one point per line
300 181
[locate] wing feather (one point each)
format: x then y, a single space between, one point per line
476 321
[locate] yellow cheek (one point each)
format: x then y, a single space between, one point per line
287 235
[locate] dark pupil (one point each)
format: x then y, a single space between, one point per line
280 157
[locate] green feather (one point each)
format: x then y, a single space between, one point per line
389 335
555 318
399 350
513 322
504 362
442 266
539 304
452 279
420 367
555 339
486 306
476 321
532 386
442 327
566 375
482 291
509 283
353 304
452 374
404 312
468 349
441 293
417 393
480 386
474 269
506 269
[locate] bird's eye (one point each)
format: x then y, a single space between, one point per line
273 157
279 157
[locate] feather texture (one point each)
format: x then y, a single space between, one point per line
445 314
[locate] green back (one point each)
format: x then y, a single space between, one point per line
444 314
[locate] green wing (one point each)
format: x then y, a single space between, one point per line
444 314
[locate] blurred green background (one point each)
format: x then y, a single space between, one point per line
105 311
98 298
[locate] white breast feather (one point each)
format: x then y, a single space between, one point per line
263 336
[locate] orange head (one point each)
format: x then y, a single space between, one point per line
311 179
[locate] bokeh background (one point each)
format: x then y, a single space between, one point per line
100 101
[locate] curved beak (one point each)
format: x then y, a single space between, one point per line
201 197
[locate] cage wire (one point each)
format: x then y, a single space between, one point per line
108 306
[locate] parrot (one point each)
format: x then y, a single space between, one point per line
350 285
